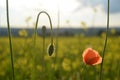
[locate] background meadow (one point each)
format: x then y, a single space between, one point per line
26 54
69 64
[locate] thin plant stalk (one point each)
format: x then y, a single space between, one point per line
57 35
43 62
118 69
94 18
42 58
10 40
107 30
35 32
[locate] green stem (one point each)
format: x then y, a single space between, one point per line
35 31
43 64
101 67
118 69
42 56
10 40
37 25
57 36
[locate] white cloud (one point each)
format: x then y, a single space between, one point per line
73 10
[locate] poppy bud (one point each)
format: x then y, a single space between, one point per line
43 29
50 49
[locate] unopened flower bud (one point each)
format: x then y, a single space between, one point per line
50 49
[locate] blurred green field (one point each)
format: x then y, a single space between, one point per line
28 59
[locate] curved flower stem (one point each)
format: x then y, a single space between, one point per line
10 40
35 32
37 25
101 67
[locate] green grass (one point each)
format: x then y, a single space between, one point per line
69 63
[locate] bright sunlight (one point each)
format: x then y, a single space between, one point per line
64 5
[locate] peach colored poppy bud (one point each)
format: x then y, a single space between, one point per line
91 57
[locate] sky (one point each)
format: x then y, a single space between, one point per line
23 13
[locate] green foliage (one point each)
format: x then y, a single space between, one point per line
69 63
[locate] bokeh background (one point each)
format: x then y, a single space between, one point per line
77 25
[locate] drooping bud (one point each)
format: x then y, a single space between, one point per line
51 49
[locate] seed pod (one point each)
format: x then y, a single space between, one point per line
50 49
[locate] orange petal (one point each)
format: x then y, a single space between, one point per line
91 57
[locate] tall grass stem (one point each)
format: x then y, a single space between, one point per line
106 38
57 35
10 39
